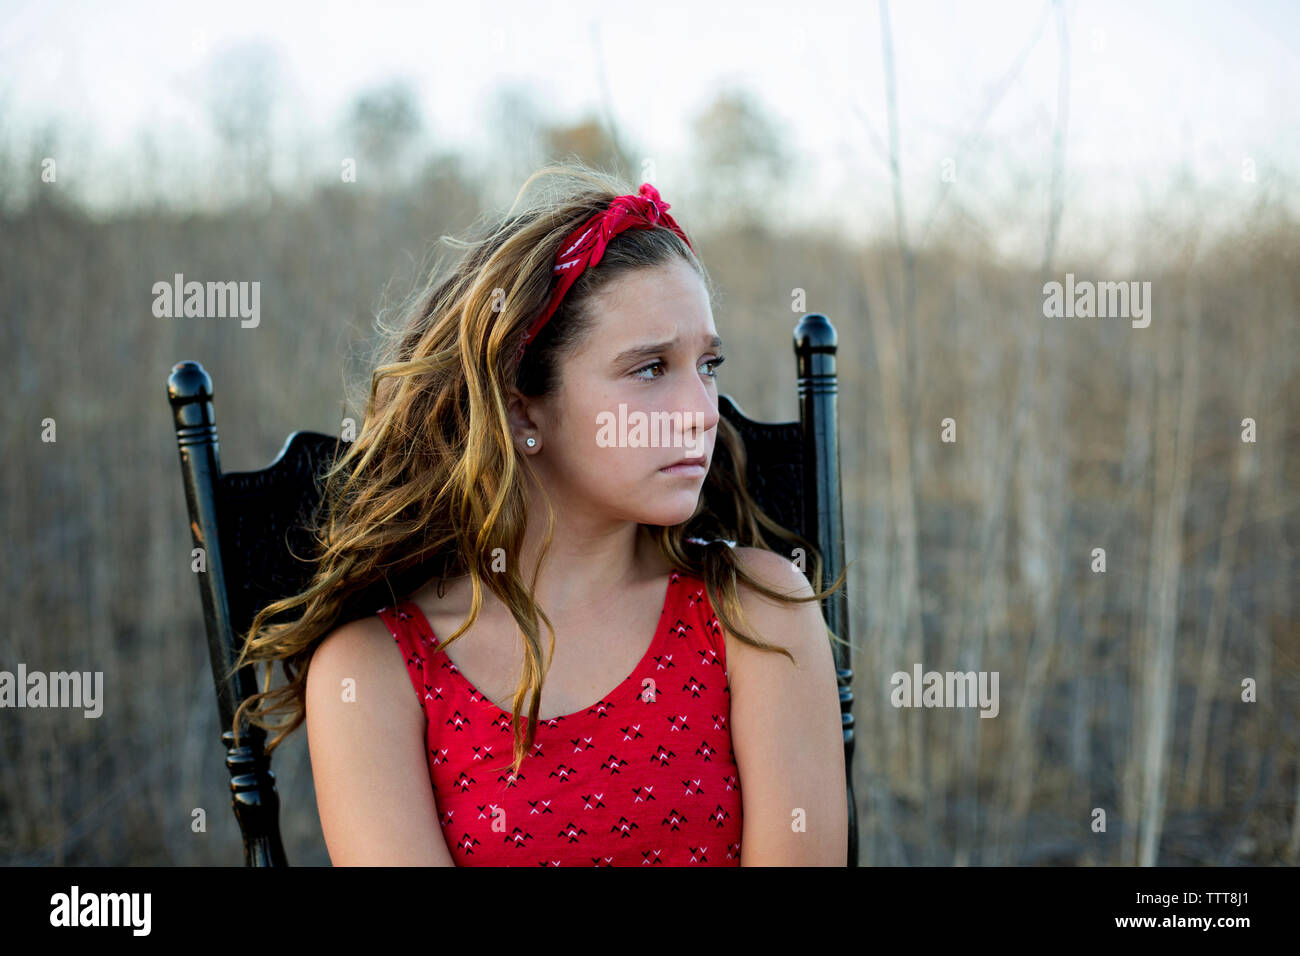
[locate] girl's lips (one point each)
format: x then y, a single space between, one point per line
689 469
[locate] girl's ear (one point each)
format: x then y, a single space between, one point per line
519 410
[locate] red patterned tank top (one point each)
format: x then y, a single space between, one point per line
644 776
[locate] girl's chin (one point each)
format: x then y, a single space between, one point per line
669 515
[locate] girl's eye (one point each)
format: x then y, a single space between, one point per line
653 365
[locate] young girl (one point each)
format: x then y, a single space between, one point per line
685 711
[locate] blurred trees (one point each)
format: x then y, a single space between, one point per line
241 96
383 125
743 154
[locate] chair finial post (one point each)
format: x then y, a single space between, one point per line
815 346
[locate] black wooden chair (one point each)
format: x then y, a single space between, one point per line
250 525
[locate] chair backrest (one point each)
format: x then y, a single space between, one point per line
250 528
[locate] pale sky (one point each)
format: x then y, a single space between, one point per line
1154 86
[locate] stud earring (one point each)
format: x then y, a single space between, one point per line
532 442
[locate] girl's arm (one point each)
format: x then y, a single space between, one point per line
785 726
369 758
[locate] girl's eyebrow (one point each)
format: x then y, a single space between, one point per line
646 351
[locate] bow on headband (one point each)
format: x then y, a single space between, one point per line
585 246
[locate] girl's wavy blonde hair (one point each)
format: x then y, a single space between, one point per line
433 484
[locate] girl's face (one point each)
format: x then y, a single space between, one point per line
640 395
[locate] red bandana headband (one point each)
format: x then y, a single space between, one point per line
585 246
